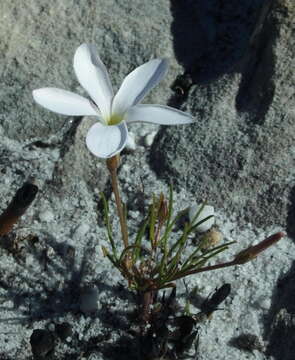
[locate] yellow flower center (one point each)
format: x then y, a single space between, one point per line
115 119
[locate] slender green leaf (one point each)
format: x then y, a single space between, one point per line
138 240
194 227
131 247
108 225
210 250
170 226
198 212
192 256
110 257
177 243
200 262
176 258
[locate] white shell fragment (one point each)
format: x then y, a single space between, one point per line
130 144
149 138
207 211
46 216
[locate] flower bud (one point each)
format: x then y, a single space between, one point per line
251 253
162 209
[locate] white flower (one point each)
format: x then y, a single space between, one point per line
110 135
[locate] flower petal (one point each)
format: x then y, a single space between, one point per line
93 76
64 102
138 83
106 141
158 114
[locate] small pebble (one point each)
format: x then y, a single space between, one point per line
126 167
263 303
46 216
131 145
149 138
30 261
81 231
247 342
51 327
266 304
134 214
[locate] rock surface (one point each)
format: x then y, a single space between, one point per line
240 152
281 324
231 66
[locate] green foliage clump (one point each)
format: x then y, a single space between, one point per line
161 262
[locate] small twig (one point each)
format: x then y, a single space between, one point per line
203 269
146 302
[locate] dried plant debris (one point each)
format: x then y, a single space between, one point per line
63 330
172 336
210 239
182 85
247 342
17 207
11 215
42 344
168 335
211 304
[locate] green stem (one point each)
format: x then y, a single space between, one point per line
112 164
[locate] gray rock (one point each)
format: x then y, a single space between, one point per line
281 320
240 151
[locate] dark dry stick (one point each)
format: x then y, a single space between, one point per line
17 207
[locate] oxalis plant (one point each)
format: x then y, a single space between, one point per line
151 260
